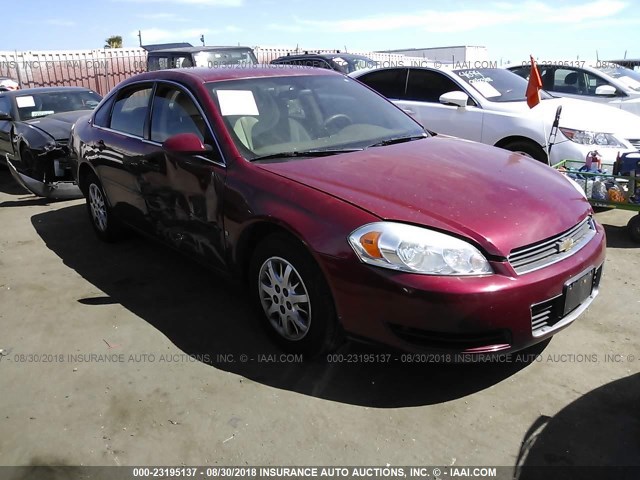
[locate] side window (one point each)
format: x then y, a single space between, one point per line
578 82
101 117
593 82
130 110
427 86
546 74
390 83
174 112
157 63
522 71
181 61
321 63
5 104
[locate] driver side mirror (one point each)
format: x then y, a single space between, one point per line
606 91
5 116
185 144
456 98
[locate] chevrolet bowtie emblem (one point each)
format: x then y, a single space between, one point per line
566 245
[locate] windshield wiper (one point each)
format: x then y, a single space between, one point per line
307 153
393 141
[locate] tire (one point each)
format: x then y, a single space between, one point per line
30 165
633 227
528 149
104 223
279 267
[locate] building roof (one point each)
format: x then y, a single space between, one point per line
429 48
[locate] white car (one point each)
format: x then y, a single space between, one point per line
488 105
8 84
605 83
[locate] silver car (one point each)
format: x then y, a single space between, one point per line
604 82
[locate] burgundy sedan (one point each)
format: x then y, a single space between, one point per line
341 214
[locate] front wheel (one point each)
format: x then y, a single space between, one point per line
292 297
634 228
528 149
103 221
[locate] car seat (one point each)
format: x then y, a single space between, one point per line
274 126
243 128
570 84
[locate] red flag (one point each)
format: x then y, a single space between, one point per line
534 86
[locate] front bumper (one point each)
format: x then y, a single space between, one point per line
475 315
59 190
568 150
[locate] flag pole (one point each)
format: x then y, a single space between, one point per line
533 98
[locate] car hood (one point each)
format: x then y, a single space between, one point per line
580 115
58 125
499 199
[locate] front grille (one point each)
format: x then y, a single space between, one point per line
541 254
548 313
635 142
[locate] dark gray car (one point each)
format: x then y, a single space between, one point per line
35 125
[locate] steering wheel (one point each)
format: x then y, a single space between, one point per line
337 122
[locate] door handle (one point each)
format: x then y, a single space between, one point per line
409 111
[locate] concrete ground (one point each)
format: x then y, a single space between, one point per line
96 369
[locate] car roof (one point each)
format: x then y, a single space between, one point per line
27 91
204 74
322 55
444 68
198 49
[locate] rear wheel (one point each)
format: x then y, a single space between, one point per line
103 221
292 297
528 149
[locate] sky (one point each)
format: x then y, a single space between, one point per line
549 29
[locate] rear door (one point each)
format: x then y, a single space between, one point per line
422 101
121 153
390 82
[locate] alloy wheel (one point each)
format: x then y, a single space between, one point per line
98 207
284 298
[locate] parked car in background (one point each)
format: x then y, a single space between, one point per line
632 63
607 83
8 84
35 124
161 57
340 212
341 62
488 105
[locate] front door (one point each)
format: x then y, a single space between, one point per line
184 192
422 101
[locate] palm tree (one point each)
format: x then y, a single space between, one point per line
115 41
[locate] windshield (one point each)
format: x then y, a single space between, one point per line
271 115
629 78
353 64
225 57
36 105
498 85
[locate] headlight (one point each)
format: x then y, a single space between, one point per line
584 137
416 250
